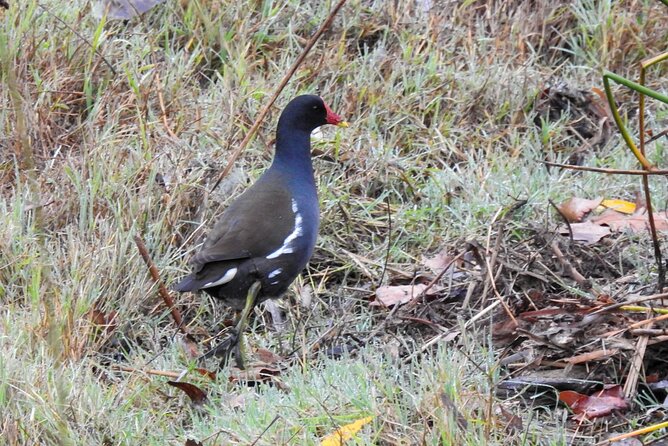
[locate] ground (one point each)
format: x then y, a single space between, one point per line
117 129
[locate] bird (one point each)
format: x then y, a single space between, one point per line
265 238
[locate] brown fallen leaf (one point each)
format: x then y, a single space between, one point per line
267 356
636 222
189 347
439 261
204 372
513 422
598 405
255 374
586 232
400 294
575 209
106 322
196 395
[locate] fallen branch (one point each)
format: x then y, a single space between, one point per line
606 170
162 290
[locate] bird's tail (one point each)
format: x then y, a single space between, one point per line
188 283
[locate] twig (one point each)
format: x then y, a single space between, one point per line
606 170
561 214
260 117
650 332
568 266
491 264
83 39
661 270
169 302
635 433
440 275
631 383
639 324
265 430
389 242
636 300
161 101
166 373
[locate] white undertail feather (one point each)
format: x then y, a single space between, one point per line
274 273
286 248
229 275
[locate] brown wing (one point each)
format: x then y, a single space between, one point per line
255 224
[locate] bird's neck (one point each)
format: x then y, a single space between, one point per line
293 154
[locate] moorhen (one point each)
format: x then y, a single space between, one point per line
265 238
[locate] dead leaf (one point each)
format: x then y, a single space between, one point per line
513 422
204 372
190 442
189 347
256 373
400 294
345 433
438 261
267 356
586 232
104 323
196 395
598 405
575 209
625 207
505 330
637 222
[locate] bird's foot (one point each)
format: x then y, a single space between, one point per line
224 349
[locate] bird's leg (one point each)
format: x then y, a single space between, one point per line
251 298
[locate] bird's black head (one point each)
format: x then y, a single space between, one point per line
308 112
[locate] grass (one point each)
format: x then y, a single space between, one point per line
115 129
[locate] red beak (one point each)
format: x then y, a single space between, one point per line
334 119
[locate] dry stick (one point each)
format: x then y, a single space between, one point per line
83 39
568 266
167 373
561 214
635 433
639 324
636 365
161 101
279 89
161 286
645 184
490 265
389 242
605 170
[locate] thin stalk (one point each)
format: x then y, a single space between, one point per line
661 271
618 119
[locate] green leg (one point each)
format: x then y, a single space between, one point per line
251 298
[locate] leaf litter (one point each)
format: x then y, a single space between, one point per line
558 338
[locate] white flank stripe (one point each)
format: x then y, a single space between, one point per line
274 273
229 275
286 248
